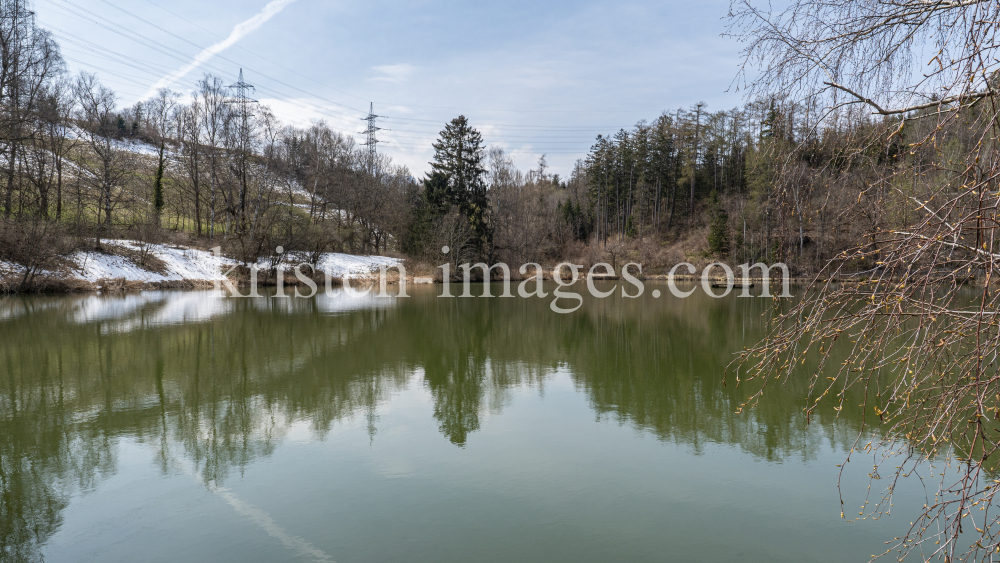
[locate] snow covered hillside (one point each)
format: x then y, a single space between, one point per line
167 263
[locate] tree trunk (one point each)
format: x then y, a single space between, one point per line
58 188
694 155
9 193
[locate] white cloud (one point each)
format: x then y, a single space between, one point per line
397 73
238 32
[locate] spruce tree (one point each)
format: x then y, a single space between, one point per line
718 228
458 155
437 195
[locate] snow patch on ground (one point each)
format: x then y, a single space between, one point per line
129 145
91 266
186 263
10 269
339 265
191 264
202 265
300 191
181 264
336 264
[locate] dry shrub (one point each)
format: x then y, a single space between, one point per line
421 269
52 284
140 256
34 244
655 257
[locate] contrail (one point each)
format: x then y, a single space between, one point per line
264 520
303 547
238 33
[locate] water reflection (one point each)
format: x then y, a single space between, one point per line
220 382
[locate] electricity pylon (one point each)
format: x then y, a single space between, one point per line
371 141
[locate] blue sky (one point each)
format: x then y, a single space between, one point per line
533 77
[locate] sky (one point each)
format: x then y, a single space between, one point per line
533 77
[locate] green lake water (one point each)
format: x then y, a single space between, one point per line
182 426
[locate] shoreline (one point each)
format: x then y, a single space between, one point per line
126 265
49 285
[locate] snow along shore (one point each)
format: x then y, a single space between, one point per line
178 264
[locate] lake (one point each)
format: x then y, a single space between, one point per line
183 426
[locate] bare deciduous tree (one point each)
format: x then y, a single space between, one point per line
213 118
112 160
922 345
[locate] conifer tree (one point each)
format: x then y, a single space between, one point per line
718 229
458 155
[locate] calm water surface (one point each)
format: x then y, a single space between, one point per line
180 426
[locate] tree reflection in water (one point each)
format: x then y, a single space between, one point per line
218 382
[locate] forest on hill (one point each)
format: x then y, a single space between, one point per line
774 180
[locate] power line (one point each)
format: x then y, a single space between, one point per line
184 57
331 87
427 135
222 57
239 47
161 28
417 125
543 145
190 82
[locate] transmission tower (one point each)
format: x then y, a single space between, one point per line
242 99
371 141
22 19
243 103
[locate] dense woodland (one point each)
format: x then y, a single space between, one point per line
772 181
